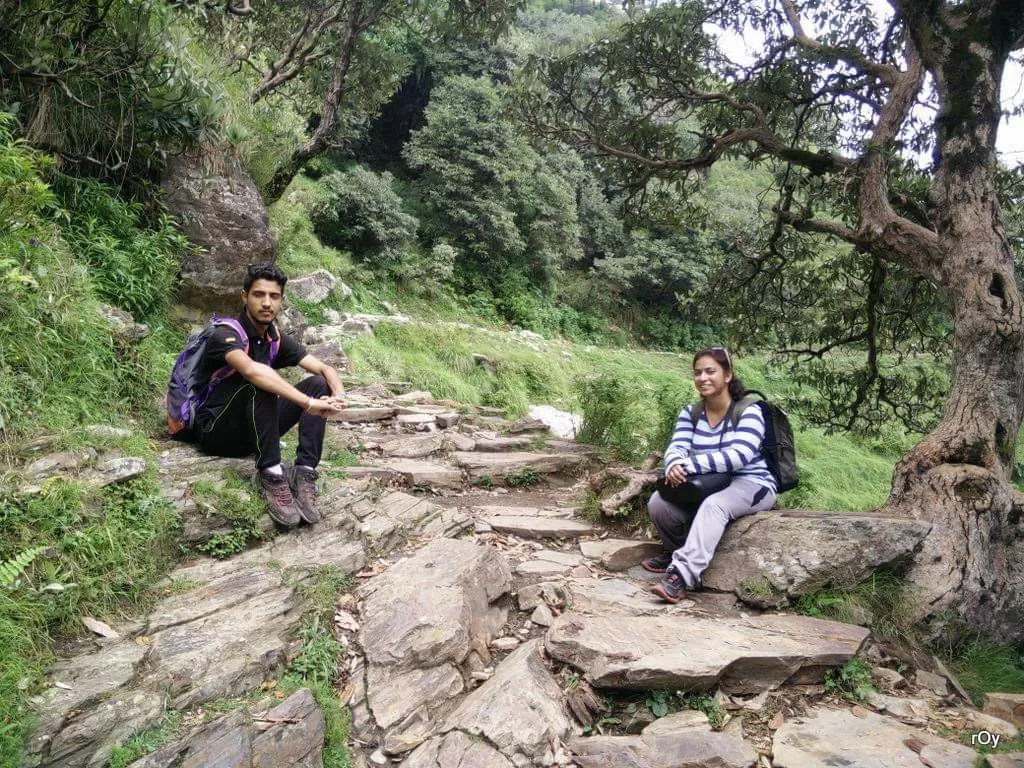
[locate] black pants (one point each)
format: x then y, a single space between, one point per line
253 421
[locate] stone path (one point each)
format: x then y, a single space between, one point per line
490 616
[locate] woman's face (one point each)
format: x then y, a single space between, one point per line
709 378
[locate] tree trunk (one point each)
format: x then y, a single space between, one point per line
958 477
318 142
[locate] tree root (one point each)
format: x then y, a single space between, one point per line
638 483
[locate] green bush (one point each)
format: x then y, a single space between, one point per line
359 211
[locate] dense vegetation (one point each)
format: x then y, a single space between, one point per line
431 194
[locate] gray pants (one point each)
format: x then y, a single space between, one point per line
693 546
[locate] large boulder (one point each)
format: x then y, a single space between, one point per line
219 208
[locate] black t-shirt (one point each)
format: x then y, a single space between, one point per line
225 338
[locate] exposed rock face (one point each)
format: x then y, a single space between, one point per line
312 288
829 738
797 552
695 652
291 735
682 748
456 750
421 619
520 710
220 210
619 554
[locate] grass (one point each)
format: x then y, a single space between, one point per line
147 741
236 503
983 667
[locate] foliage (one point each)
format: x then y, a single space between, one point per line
146 741
878 602
852 680
523 478
105 85
241 508
484 188
132 265
358 211
11 569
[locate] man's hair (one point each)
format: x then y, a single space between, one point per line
263 271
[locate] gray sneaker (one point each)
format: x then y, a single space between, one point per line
280 503
303 484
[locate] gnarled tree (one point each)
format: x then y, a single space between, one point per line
840 100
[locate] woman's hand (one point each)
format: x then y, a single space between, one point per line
675 476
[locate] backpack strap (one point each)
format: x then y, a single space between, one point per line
752 396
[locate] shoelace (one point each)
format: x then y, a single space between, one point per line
282 495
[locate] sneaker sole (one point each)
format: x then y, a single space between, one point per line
660 591
284 523
652 569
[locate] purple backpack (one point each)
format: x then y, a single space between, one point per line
186 395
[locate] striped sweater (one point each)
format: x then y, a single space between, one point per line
702 449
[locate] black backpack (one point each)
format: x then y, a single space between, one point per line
778 448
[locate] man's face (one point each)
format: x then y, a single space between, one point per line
263 301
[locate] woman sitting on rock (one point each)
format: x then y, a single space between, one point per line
707 441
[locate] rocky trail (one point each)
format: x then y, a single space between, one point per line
494 624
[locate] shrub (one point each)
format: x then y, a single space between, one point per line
359 211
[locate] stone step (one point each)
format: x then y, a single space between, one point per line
499 465
697 652
861 739
413 472
619 554
537 527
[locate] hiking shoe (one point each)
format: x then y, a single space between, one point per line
303 484
280 503
657 563
671 588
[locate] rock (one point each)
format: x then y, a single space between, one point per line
456 750
590 595
520 426
1005 760
448 420
742 655
619 554
502 444
981 721
914 711
413 447
332 353
401 701
561 423
677 721
114 471
539 527
312 288
1008 706
505 643
360 415
827 738
230 741
797 552
889 678
413 472
542 616
520 710
931 682
497 465
89 737
291 321
427 610
686 747
398 516
219 208
357 328
59 463
529 597
123 325
107 432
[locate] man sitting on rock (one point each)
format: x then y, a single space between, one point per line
248 413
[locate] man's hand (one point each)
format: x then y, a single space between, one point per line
675 476
325 406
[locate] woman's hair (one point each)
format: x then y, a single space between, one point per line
723 358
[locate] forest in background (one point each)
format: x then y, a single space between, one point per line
433 191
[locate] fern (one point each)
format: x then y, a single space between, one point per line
11 570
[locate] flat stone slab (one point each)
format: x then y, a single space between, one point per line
690 652
828 738
291 736
403 701
497 510
417 447
1008 706
683 748
497 465
456 750
360 415
612 596
521 710
435 606
618 554
796 552
399 516
502 444
415 473
538 527
1006 760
